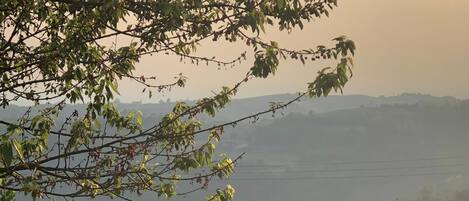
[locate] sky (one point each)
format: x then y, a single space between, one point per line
403 46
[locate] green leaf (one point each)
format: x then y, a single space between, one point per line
19 149
6 153
114 87
139 118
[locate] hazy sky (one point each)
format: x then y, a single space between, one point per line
417 46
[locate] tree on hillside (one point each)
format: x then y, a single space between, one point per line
76 51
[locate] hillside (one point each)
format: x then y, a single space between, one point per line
343 148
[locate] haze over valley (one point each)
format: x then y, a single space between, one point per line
341 148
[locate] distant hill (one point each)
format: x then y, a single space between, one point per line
240 107
357 154
368 133
339 148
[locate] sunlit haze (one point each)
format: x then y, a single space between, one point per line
417 46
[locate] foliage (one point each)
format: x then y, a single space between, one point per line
60 51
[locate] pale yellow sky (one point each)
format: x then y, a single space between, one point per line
417 46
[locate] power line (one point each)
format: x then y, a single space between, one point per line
405 160
359 162
355 169
343 177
